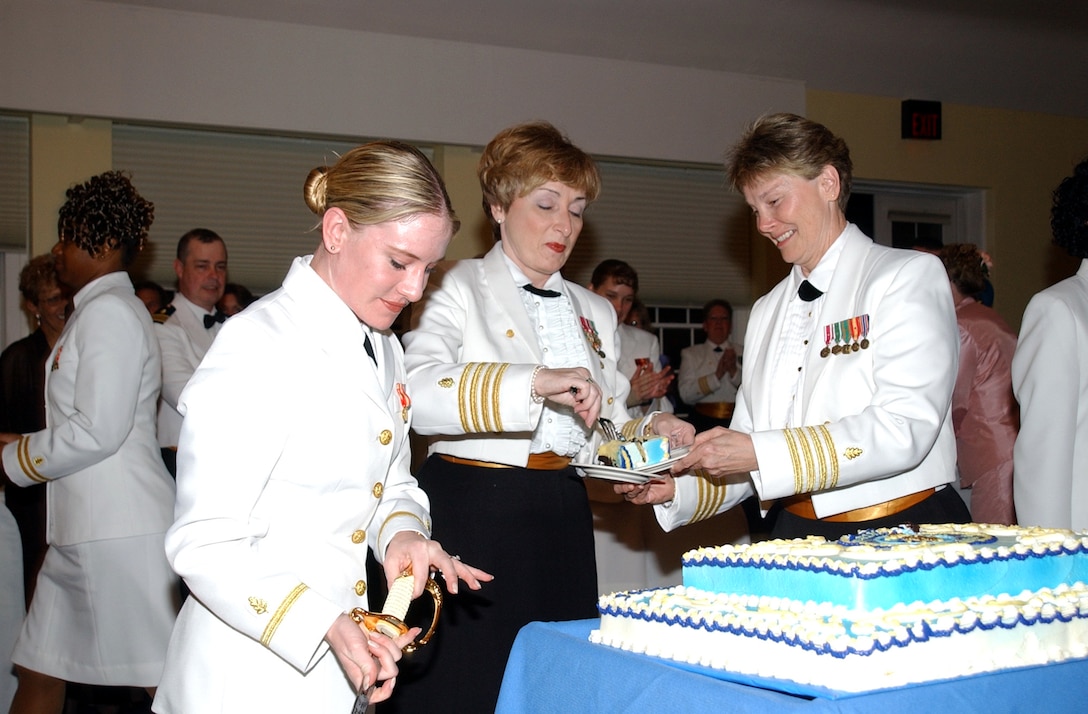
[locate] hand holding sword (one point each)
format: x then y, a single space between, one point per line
369 657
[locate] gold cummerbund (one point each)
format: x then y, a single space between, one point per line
547 461
715 410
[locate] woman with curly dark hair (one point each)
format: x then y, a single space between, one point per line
1050 379
984 412
105 598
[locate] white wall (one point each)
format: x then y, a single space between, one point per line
98 59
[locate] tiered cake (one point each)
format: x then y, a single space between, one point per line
880 609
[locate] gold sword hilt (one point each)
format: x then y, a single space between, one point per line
390 621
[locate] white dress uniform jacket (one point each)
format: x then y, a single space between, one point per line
1050 379
184 341
105 474
294 460
698 381
874 424
471 358
638 343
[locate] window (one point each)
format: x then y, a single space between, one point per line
245 187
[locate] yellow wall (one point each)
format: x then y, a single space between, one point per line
457 164
1018 157
63 152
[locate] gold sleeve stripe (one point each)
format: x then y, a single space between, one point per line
711 497
495 411
490 412
815 463
630 429
798 483
478 396
462 387
281 611
394 514
821 457
829 444
704 385
22 450
474 398
806 452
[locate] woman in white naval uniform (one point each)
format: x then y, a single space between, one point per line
1050 379
511 365
105 598
274 518
844 414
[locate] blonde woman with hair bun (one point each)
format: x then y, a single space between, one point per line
274 520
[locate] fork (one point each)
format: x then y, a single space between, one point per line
611 433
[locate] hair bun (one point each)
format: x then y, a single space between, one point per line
315 189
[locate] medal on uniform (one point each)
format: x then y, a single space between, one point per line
405 402
855 332
865 332
837 328
827 342
591 334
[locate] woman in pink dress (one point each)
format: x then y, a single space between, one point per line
985 415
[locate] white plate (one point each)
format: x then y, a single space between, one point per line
611 473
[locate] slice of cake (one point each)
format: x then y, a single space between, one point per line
880 609
634 454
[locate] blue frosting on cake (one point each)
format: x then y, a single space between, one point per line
882 568
776 620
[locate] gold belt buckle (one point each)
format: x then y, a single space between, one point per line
390 621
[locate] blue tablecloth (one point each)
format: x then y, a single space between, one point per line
553 667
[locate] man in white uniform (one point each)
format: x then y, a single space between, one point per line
187 326
640 351
710 372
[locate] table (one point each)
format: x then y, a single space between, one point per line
554 668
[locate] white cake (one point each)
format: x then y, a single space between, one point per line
634 453
803 610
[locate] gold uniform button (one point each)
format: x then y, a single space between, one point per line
360 588
378 489
610 400
385 437
358 537
509 333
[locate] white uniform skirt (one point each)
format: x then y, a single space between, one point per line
102 613
11 599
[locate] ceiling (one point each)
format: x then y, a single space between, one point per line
1014 54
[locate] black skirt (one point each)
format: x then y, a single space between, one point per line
532 530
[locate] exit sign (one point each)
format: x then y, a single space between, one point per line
921 119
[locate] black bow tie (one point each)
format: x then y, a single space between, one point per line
718 348
808 292
369 347
540 291
210 320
